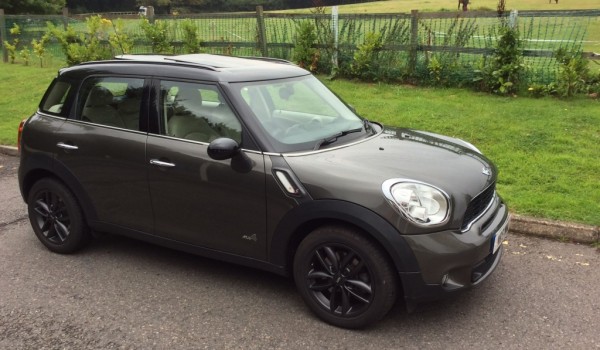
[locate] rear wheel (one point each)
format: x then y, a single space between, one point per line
56 217
344 278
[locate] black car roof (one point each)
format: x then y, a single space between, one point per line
206 67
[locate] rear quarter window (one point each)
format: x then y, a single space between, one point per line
55 98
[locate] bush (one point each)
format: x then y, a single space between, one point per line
158 35
12 47
504 72
305 55
191 41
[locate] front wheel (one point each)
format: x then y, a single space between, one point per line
344 278
56 217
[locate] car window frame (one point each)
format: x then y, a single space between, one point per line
144 109
157 122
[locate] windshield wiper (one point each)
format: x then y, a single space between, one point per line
334 137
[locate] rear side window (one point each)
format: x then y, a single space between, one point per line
54 100
111 101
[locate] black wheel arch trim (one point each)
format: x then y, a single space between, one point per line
374 225
48 165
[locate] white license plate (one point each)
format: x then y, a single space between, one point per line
500 236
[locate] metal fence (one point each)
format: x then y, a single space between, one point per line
411 40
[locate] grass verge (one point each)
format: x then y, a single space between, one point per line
547 150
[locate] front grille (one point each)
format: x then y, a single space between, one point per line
478 206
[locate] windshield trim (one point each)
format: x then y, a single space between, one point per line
349 144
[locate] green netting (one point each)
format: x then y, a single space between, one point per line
456 43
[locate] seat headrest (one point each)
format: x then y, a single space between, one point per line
99 96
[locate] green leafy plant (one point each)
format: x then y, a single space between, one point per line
540 90
86 46
25 55
119 40
443 67
157 34
365 57
573 73
191 41
12 47
39 47
503 73
305 54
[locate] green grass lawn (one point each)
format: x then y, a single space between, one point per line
547 150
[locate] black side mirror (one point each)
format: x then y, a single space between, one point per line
223 148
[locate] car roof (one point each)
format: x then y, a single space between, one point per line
193 66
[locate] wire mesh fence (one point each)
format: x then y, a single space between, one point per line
458 40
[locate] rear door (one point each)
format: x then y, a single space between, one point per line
198 200
103 146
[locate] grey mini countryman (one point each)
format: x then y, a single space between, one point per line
254 161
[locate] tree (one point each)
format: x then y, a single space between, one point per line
32 6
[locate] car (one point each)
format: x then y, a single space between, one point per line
254 161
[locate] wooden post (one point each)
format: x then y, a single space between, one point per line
260 27
65 17
3 36
414 40
150 14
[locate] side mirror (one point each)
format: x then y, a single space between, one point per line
223 148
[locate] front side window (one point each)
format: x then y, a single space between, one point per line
300 114
197 112
111 101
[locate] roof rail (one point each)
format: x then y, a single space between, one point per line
268 59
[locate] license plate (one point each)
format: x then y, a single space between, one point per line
500 236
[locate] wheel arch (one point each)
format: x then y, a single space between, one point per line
30 175
302 220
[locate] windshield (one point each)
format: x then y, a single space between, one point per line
299 113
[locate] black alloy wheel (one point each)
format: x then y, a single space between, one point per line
344 277
339 280
56 217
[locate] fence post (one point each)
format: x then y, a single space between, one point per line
414 40
65 17
150 13
262 36
3 36
512 19
336 39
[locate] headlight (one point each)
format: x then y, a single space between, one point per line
423 204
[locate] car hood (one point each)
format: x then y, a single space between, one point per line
356 171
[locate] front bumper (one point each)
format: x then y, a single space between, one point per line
453 260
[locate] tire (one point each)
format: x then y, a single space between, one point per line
344 278
56 217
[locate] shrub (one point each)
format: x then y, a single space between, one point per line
573 73
305 55
191 41
157 34
504 72
12 47
119 40
365 57
87 46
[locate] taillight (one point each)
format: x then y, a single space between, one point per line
20 133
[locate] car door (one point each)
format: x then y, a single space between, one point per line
196 199
103 146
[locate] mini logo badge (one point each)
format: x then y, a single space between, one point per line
486 171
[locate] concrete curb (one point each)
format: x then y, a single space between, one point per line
519 224
554 229
9 150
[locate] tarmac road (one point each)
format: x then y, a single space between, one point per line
123 294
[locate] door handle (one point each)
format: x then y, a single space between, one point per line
67 146
161 163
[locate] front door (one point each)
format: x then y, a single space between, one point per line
196 199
